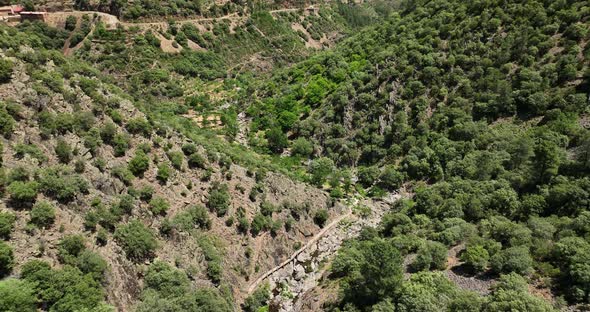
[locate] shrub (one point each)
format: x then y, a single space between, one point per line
139 126
259 223
320 217
17 295
6 67
267 208
146 193
7 122
23 193
159 206
7 220
63 151
71 22
126 204
194 216
431 255
139 164
61 183
302 147
257 299
163 173
123 174
195 160
120 144
219 199
108 132
91 263
476 258
189 149
166 280
43 214
176 158
6 259
69 248
138 241
513 259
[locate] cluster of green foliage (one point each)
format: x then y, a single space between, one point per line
169 289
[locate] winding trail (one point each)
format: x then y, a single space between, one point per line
58 18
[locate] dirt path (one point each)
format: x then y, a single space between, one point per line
317 237
57 19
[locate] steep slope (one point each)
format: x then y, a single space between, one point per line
108 196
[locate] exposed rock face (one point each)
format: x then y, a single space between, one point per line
302 272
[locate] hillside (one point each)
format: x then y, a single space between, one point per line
296 156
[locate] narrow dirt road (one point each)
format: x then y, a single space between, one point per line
56 19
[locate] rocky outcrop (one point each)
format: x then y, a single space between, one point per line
303 270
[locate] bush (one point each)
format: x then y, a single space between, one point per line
176 159
63 151
189 149
431 256
513 259
194 216
91 263
219 199
163 173
476 258
138 241
7 122
42 214
120 144
61 183
71 22
195 160
260 223
7 220
6 259
139 164
320 217
302 147
146 193
17 296
6 67
159 206
23 193
139 126
69 248
123 174
257 299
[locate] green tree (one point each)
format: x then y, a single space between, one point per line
159 206
63 151
139 164
6 68
476 258
511 294
320 169
6 259
277 140
320 217
163 173
43 214
7 220
302 147
219 199
379 273
138 241
17 296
